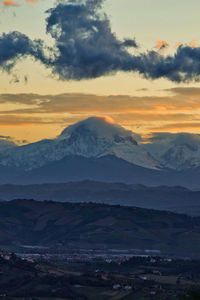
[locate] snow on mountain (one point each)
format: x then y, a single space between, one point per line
176 151
100 136
103 127
93 137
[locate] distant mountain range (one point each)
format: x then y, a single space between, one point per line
174 199
97 226
91 138
98 149
175 151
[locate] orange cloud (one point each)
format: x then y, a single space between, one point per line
176 111
13 3
178 44
178 127
9 3
107 119
180 99
193 44
162 44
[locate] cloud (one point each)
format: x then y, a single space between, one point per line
21 114
160 137
166 137
180 100
9 3
178 44
85 48
162 45
177 127
142 90
16 3
14 46
130 43
17 120
185 91
193 44
127 110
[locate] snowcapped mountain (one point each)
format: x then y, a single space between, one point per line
97 137
93 137
176 151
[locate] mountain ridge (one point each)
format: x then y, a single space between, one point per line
175 199
98 149
106 169
93 137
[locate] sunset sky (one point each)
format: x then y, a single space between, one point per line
40 95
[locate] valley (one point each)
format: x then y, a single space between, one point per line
60 277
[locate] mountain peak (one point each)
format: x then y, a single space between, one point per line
100 126
100 136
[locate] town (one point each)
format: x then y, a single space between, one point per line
96 275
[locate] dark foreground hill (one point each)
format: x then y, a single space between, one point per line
21 279
175 199
27 222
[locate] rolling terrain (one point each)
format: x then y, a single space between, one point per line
97 226
175 199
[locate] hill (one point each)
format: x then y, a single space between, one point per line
175 199
96 226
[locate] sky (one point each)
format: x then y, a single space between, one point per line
135 61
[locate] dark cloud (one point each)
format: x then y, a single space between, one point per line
130 43
85 47
15 45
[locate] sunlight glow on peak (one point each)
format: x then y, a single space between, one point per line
106 119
